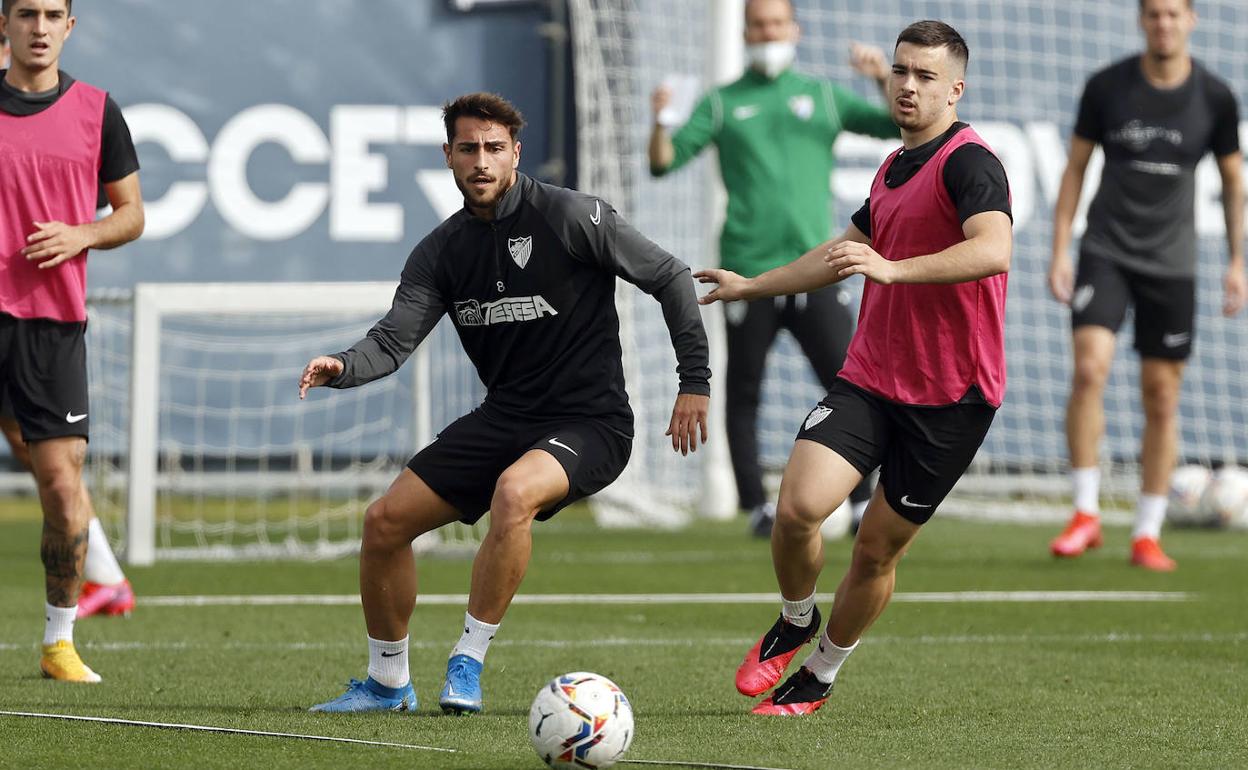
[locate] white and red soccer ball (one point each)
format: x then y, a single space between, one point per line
582 721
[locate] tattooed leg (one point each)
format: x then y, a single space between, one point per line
58 470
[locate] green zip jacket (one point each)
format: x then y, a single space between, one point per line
775 156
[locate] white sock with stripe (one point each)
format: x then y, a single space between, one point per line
60 625
475 641
387 662
827 658
800 612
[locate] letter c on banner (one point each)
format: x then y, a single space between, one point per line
227 172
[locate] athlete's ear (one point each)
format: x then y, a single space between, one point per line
956 90
446 150
517 154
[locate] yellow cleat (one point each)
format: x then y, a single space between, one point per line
60 661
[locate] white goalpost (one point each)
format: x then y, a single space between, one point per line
199 440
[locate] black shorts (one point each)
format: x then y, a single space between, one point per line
921 451
463 463
1165 307
43 376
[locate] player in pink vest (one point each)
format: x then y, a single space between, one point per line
924 374
60 139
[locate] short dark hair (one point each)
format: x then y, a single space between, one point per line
7 6
936 34
1191 4
485 106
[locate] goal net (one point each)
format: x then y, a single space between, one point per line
200 446
1029 60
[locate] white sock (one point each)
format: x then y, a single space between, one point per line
476 638
827 658
101 565
1087 489
1149 516
60 623
800 612
387 662
859 509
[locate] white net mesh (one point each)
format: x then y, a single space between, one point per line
245 469
1029 61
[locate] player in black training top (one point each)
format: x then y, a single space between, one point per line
1156 115
527 273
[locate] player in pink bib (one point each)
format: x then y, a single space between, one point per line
60 141
924 374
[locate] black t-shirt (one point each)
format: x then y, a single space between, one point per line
973 177
1143 215
118 158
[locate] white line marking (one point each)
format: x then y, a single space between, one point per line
678 763
944 597
230 730
1110 637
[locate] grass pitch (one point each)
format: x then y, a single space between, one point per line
934 684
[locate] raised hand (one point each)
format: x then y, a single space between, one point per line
319 371
731 286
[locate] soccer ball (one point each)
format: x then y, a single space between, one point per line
1187 486
580 720
1225 502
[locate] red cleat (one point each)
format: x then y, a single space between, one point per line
1146 552
97 599
1083 532
767 660
800 694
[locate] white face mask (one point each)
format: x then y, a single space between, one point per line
770 59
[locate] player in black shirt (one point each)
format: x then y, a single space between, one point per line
1155 115
527 273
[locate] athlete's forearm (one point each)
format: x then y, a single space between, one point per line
684 327
661 151
123 225
1233 205
1064 212
985 252
804 274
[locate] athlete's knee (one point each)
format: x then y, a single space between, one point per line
514 503
1090 373
384 527
874 556
1161 401
63 506
794 514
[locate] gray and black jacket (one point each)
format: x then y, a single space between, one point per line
532 297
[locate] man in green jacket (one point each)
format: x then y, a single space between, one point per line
774 129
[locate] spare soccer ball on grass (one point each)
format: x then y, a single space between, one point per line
1225 501
580 720
1187 486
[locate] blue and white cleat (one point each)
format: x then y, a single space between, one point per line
370 695
461 694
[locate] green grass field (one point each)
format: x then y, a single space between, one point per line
935 684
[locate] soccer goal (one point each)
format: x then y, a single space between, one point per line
200 446
1029 60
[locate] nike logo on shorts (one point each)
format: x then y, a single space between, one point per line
559 443
905 500
1175 340
72 418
